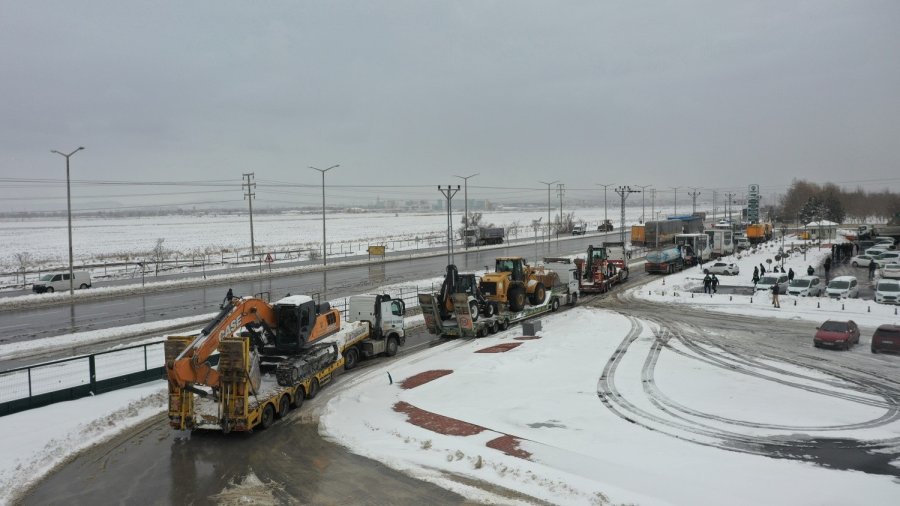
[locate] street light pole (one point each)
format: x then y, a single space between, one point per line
69 206
643 194
605 186
324 251
466 198
548 204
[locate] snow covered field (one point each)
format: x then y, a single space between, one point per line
96 241
561 413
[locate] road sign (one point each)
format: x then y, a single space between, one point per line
269 258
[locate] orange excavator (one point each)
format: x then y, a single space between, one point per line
250 334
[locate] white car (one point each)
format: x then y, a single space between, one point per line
861 261
874 251
887 291
727 268
805 286
767 280
843 287
888 257
891 271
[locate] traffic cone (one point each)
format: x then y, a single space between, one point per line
817 305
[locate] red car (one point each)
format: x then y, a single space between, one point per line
886 338
837 334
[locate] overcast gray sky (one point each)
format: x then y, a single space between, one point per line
712 94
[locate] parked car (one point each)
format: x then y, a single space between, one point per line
766 282
884 242
843 287
886 338
888 257
874 251
579 229
806 286
887 291
837 334
59 281
891 271
727 268
861 260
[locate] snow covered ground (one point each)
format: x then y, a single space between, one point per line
576 448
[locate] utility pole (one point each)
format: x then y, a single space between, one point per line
643 194
623 192
729 196
466 216
249 185
694 195
560 191
324 250
548 205
653 203
69 205
714 206
605 186
448 193
675 199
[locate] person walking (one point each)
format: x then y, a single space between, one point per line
827 267
707 282
871 269
715 284
762 270
791 274
810 271
775 296
755 276
228 297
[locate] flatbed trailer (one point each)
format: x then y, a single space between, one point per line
464 324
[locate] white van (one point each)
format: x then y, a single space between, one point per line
887 291
59 282
843 287
805 286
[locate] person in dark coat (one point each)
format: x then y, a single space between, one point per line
715 284
827 267
871 269
810 270
228 297
755 275
762 270
791 274
775 295
707 282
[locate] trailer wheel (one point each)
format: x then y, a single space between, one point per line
284 405
473 310
391 348
554 304
268 416
503 324
492 327
299 395
313 388
351 358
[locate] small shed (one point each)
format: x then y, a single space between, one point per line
822 230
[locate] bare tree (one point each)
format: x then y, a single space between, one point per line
159 253
513 228
23 261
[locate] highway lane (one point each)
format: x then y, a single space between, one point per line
338 281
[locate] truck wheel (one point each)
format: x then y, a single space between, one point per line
391 348
537 297
492 327
351 358
268 416
554 305
313 389
473 309
284 405
516 297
